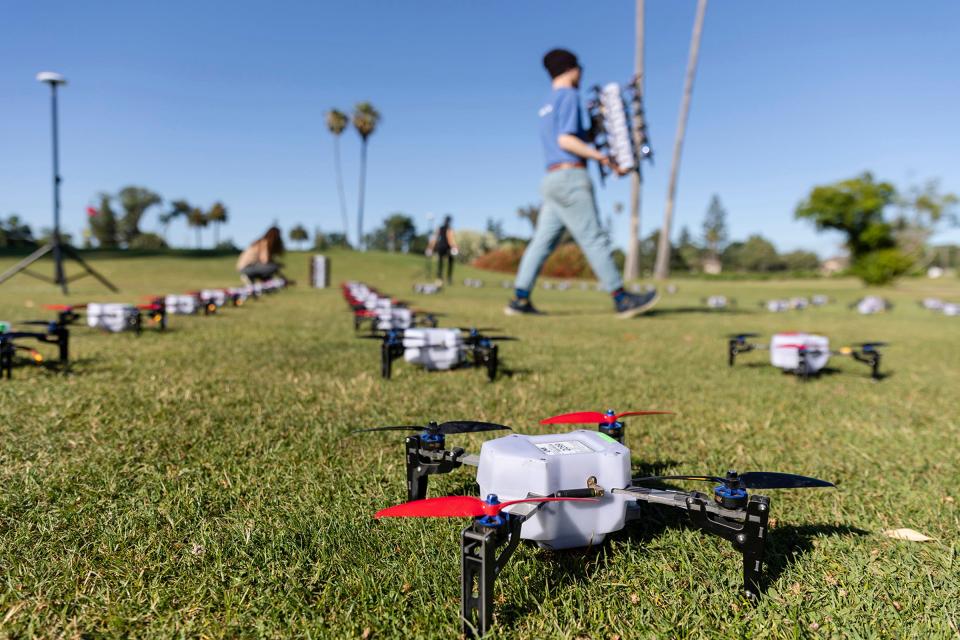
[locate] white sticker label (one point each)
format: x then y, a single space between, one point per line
567 447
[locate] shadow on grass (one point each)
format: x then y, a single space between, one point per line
786 545
699 310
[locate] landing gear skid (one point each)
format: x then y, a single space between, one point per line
484 551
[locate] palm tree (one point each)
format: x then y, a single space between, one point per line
198 220
662 268
365 119
178 208
299 235
337 122
218 216
631 267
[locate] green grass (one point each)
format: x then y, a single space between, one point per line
203 482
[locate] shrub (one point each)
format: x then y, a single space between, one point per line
567 261
881 267
473 244
148 241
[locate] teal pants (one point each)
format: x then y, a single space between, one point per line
568 203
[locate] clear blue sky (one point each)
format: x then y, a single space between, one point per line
225 100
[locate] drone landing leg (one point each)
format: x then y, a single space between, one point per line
422 462
480 563
748 537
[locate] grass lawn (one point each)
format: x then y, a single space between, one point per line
204 482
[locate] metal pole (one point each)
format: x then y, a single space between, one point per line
662 270
631 268
58 274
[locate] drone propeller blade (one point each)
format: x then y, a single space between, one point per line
403 428
871 345
459 507
63 307
470 426
595 417
774 480
500 338
751 480
741 336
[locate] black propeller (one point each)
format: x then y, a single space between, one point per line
445 428
743 336
750 480
869 346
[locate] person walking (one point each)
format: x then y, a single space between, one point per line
568 196
444 244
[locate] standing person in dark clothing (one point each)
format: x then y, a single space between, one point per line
444 244
568 198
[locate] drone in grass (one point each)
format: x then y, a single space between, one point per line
55 332
804 354
377 312
569 490
940 306
719 303
440 349
115 317
869 305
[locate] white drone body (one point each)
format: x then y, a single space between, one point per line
181 305
717 302
394 318
951 309
776 306
819 300
516 466
112 317
217 297
872 304
785 355
434 349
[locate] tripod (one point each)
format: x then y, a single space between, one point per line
55 246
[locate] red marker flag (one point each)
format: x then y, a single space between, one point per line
91 212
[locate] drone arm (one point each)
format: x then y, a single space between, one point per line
870 358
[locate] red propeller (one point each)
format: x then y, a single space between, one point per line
459 507
63 307
595 417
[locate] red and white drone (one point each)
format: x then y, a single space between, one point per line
804 354
568 490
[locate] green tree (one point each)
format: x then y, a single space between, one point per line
530 213
299 235
135 201
14 232
217 216
198 220
854 207
337 122
715 227
800 261
178 209
495 227
365 121
687 249
922 210
103 224
396 233
755 254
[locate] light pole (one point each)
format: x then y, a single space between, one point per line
55 245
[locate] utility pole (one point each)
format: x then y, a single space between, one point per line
662 270
631 268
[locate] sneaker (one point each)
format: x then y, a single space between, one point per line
521 307
633 304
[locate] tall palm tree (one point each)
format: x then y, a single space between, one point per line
662 268
631 267
337 122
365 120
198 220
217 216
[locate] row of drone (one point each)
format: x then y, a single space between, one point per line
415 335
22 338
568 489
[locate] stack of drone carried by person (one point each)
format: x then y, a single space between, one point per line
617 129
414 335
804 354
569 490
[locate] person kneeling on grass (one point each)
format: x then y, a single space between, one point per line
259 260
568 199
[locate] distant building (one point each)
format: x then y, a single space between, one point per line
711 265
834 265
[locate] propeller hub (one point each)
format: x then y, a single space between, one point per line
730 497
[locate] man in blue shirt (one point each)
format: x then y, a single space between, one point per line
568 199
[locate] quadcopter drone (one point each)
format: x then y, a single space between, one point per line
940 306
115 317
804 354
869 305
440 349
719 302
55 332
382 313
568 490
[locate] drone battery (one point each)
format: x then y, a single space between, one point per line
395 318
785 354
180 305
113 317
434 349
517 466
319 272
